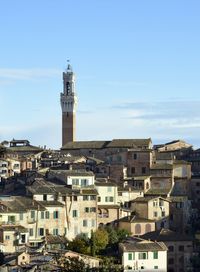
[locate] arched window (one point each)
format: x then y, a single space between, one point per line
137 229
148 228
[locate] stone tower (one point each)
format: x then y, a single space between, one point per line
68 100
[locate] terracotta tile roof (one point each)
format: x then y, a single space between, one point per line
167 235
130 143
85 144
134 244
158 192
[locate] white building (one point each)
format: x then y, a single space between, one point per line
143 255
73 178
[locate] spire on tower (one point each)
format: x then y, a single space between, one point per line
69 67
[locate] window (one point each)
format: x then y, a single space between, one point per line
86 197
99 199
131 256
55 214
163 214
155 267
45 197
155 214
132 170
21 216
87 210
93 223
75 230
92 197
75 198
74 213
181 248
31 232
63 198
84 182
41 232
33 214
93 209
155 254
147 227
135 156
137 229
7 237
85 223
198 184
55 232
119 158
47 215
155 203
75 181
109 199
11 219
143 255
161 203
171 248
143 170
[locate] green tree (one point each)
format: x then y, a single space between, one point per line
101 239
122 234
93 244
80 244
112 235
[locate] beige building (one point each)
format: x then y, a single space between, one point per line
108 207
13 237
78 207
174 146
137 226
153 208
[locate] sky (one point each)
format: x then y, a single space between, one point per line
137 65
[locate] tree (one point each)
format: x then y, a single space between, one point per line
1 258
122 234
93 244
112 235
101 239
80 244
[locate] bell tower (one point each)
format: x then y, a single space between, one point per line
68 101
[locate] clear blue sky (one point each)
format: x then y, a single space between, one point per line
137 65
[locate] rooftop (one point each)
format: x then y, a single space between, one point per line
85 144
135 244
167 235
115 143
163 166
